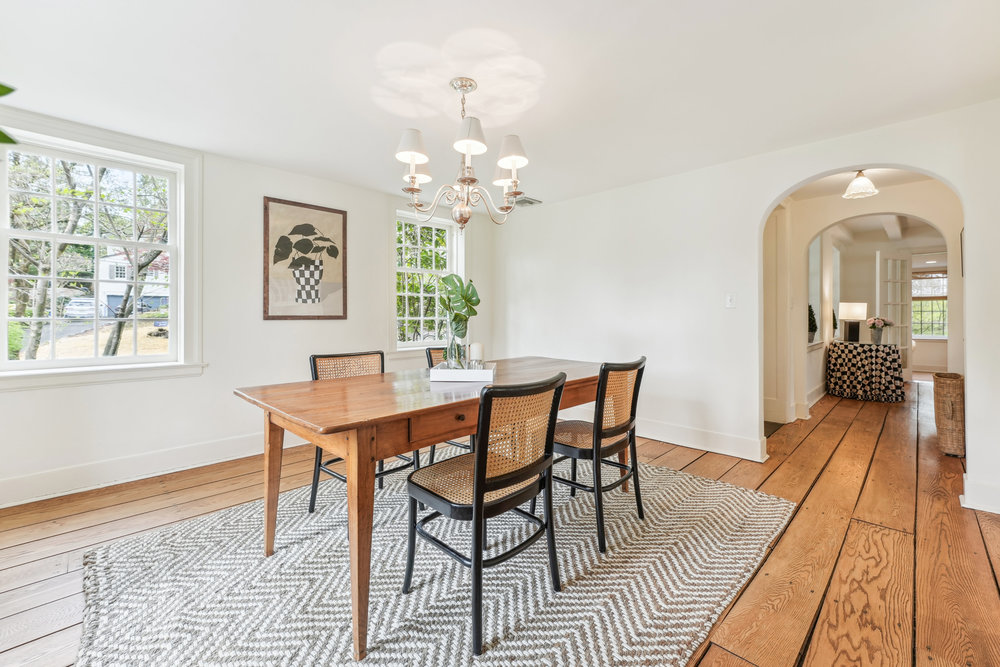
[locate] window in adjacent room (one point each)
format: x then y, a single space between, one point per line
930 304
425 252
89 243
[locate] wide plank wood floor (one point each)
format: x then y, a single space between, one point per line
879 565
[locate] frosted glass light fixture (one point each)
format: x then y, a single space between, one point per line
465 193
860 187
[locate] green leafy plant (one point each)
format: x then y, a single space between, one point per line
835 319
813 327
4 137
306 250
458 299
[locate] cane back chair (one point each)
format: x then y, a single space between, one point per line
435 355
349 364
511 465
612 432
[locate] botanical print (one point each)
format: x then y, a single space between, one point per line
305 271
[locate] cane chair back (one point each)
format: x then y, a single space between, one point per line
351 364
435 355
617 397
516 427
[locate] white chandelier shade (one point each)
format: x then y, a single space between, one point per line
860 187
422 173
512 155
411 148
470 139
465 193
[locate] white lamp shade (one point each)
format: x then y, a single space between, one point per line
411 148
512 155
853 312
860 187
421 171
502 177
470 138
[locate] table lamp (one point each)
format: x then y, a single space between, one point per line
851 315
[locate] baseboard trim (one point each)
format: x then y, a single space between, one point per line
753 449
984 497
815 394
96 474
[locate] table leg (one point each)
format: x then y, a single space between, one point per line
274 440
360 511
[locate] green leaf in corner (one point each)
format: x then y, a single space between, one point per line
6 138
5 90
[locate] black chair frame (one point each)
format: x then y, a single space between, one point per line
597 453
461 445
479 511
321 465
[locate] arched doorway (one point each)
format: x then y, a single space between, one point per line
804 266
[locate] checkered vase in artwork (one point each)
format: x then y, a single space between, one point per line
307 281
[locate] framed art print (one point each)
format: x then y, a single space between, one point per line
305 261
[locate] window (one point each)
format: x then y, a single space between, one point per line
425 252
930 304
88 243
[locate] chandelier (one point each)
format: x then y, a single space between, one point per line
465 193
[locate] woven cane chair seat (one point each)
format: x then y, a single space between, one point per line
452 479
580 434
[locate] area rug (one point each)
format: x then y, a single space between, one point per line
200 592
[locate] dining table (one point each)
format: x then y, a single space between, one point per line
368 418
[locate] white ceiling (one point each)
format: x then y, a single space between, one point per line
603 94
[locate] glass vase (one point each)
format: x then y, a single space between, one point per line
454 352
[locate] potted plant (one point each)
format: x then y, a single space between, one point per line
306 252
813 327
458 300
4 137
834 311
877 324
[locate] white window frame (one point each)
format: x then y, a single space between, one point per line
456 264
944 298
41 134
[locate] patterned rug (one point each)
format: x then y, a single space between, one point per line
201 593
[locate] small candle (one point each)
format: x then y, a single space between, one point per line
476 351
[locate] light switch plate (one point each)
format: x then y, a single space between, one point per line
730 300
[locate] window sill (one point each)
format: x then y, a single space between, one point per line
940 338
74 377
815 346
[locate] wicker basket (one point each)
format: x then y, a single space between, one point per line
949 412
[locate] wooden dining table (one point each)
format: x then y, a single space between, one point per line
368 418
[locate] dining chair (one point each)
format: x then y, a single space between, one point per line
612 432
435 355
344 365
511 465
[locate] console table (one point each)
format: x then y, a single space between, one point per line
864 371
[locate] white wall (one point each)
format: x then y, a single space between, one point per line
114 432
930 355
644 270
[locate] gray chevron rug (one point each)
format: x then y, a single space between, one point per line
201 593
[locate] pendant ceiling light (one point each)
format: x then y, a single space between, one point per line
465 193
860 187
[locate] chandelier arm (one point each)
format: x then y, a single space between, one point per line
484 195
448 191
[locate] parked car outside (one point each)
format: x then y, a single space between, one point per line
79 308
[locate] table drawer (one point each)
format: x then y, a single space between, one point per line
443 424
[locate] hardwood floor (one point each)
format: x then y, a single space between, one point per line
879 565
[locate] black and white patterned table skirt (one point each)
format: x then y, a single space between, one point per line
864 371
